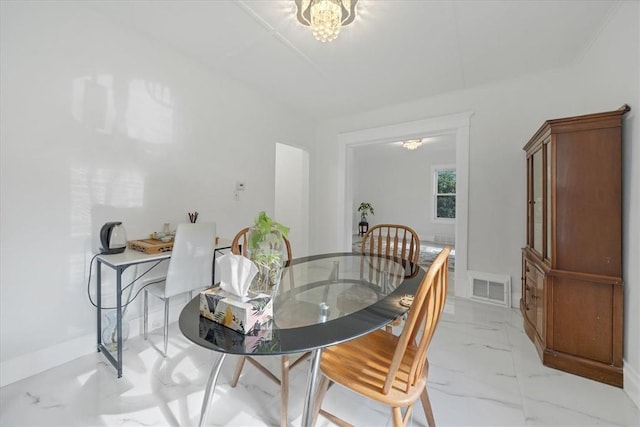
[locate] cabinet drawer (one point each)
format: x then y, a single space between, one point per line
530 271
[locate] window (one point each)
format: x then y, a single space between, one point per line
445 193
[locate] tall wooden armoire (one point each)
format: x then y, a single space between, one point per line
572 296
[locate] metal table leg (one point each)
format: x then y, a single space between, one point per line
99 303
211 385
312 383
119 319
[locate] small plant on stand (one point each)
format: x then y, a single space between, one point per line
365 209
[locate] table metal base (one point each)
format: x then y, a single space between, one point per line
211 385
312 383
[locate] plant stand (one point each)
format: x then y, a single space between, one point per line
363 227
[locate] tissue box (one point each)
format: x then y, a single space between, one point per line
235 341
228 310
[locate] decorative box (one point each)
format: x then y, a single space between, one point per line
236 342
242 315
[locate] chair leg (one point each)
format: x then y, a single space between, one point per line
284 391
407 415
145 322
238 371
426 405
166 326
397 417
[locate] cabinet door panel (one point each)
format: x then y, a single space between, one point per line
589 223
548 222
582 318
536 204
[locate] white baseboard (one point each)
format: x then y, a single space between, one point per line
632 384
39 361
30 364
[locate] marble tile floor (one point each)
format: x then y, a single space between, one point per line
484 372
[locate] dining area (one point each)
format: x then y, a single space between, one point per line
345 343
333 312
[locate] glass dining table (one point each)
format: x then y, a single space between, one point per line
322 300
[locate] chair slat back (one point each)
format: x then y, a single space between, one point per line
421 322
239 244
393 240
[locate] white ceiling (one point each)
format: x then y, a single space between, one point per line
395 51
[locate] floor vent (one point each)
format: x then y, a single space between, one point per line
491 288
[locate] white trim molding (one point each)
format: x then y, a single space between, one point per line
39 361
455 124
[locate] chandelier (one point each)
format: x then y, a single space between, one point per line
412 144
326 17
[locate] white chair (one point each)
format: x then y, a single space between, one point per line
190 268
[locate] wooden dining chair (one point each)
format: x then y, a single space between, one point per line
396 240
239 247
239 244
387 368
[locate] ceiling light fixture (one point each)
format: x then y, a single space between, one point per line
326 17
412 144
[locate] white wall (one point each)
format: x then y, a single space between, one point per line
292 196
506 115
152 136
399 184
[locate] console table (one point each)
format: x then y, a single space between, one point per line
119 263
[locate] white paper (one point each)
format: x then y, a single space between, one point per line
236 274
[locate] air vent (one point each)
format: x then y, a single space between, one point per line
491 288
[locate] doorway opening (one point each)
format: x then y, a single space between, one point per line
455 125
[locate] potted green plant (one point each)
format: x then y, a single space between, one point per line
266 249
365 209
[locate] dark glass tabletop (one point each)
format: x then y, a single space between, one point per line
321 300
